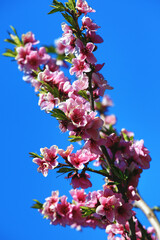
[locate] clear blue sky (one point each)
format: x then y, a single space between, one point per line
131 51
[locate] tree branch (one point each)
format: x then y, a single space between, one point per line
91 91
141 204
132 229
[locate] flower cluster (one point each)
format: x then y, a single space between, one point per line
81 107
104 207
115 230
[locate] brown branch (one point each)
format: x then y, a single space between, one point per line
91 91
132 229
145 234
141 204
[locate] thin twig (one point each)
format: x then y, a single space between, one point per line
145 234
132 229
91 91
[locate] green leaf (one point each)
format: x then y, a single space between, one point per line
106 172
61 57
113 183
131 138
50 49
14 30
58 7
37 205
156 208
10 41
35 73
69 19
74 2
83 94
58 4
125 136
58 114
71 5
98 105
16 40
65 170
56 10
68 59
35 155
118 172
86 211
70 174
53 90
9 53
75 138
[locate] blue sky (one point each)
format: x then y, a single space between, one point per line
131 51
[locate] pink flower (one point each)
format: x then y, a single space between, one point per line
85 52
93 198
66 28
63 208
29 38
78 195
59 77
76 110
50 155
80 84
78 117
89 24
92 128
93 37
60 46
94 146
132 194
66 44
33 60
46 76
79 67
22 53
110 120
65 154
48 160
29 78
49 207
44 57
36 84
81 180
107 101
43 166
99 80
65 88
128 133
107 207
47 101
81 157
141 154
76 219
113 229
52 65
29 58
83 7
112 139
124 213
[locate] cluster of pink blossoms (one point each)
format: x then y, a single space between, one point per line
106 206
116 230
82 109
106 209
